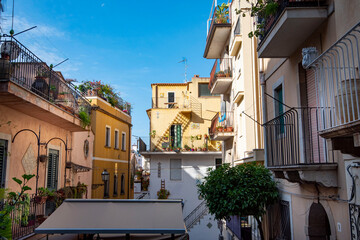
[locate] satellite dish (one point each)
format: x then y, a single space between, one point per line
11 49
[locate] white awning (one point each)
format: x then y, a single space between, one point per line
95 216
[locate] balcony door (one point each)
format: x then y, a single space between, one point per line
175 136
171 99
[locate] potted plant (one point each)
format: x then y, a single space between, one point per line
153 133
166 137
198 137
229 129
222 13
163 194
42 195
221 74
206 137
145 184
220 128
187 148
61 95
43 158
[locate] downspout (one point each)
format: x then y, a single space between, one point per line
264 107
129 143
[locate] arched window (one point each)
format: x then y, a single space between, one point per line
122 190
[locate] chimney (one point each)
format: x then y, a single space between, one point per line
196 76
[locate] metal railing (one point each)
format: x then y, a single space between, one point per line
177 102
222 122
195 215
337 81
217 20
292 139
120 104
282 4
22 225
19 65
222 68
354 212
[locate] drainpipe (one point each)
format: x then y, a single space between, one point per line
264 108
129 144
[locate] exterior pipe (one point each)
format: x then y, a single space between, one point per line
264 110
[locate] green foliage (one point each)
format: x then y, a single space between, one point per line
245 189
163 194
45 192
262 10
85 118
15 201
222 13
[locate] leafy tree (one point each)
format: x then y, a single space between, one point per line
244 190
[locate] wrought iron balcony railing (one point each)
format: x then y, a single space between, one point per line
337 81
222 68
19 65
292 139
282 4
120 103
176 102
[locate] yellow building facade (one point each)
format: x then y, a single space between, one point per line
112 129
181 115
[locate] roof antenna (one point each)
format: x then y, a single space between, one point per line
52 66
185 63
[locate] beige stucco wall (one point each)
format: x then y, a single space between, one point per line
17 150
78 157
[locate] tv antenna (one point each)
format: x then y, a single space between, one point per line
185 66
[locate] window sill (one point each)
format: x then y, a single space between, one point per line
107 146
117 148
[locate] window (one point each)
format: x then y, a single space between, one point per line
218 162
171 99
175 169
204 90
175 136
3 157
52 172
116 139
106 188
122 190
116 180
123 141
107 137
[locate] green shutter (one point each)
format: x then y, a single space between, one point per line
52 169
3 154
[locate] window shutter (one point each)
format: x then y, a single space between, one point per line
3 153
52 169
175 169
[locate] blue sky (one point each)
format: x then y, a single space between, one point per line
128 44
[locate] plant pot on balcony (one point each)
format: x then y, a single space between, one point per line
220 129
40 86
40 199
43 158
229 129
344 97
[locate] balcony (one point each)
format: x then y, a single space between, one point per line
28 85
281 31
218 34
222 126
296 151
181 103
338 88
221 76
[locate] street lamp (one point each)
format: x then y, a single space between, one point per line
105 176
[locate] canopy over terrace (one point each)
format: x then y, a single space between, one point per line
122 217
